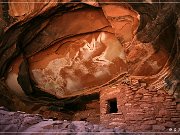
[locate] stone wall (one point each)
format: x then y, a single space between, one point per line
140 108
84 111
90 114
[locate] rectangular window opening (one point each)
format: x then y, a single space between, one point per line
112 106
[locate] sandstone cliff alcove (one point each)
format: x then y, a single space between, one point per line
72 59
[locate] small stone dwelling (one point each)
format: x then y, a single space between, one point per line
132 107
138 108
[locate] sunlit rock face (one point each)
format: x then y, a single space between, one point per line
124 21
81 50
88 62
92 57
144 60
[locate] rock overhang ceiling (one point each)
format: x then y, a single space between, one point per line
66 49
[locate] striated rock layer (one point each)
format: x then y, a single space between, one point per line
82 61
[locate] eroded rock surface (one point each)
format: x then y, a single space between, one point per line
67 58
52 54
19 122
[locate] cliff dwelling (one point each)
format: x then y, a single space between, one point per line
110 63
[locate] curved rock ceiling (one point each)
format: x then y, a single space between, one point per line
81 47
92 60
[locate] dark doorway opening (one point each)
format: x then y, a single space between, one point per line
112 106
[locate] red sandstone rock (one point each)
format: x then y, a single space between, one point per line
158 127
138 96
80 48
142 90
146 127
135 82
143 105
178 106
158 99
175 119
